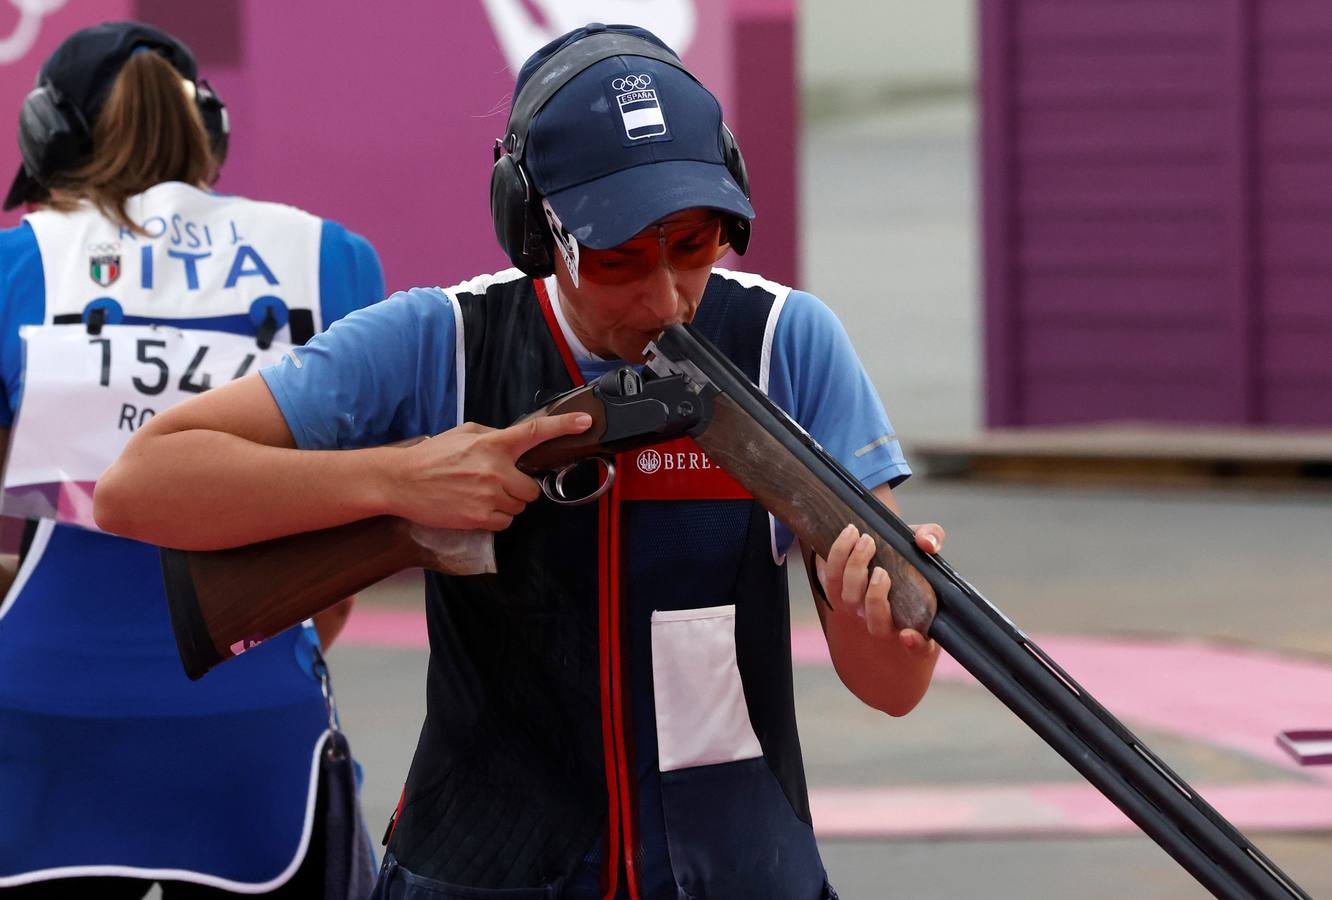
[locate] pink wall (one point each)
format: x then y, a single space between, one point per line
382 116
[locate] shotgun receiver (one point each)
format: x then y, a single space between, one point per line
223 602
787 472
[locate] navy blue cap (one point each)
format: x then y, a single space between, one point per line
83 69
627 141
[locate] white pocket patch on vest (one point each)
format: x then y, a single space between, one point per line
702 718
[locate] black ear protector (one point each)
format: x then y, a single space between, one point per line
515 205
737 227
54 137
214 114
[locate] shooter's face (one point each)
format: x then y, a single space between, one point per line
627 295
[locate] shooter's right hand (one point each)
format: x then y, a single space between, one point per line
465 477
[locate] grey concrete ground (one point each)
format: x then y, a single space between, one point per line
890 244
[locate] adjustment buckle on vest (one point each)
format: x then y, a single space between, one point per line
267 329
96 319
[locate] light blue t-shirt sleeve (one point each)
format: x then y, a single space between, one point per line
350 276
380 374
23 299
818 380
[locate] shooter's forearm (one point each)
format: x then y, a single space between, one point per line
881 672
204 490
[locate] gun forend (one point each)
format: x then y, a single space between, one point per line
790 474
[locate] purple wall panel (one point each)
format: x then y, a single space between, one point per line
1137 22
1297 243
1131 242
1297 353
1298 185
1298 403
1093 298
1001 340
1157 194
1298 71
1115 215
1076 401
1236 302
1298 300
1081 72
1297 127
1294 199
1166 351
1298 19
1124 133
765 42
1080 186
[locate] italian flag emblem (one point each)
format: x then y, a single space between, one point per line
104 269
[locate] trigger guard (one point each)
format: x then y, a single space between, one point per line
554 489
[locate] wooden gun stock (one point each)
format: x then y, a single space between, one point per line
223 602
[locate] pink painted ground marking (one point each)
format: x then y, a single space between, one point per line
397 629
1230 697
1041 809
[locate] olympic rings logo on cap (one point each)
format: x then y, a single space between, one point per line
631 83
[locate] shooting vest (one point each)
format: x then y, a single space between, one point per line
625 679
111 761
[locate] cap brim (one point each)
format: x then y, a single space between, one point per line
610 210
23 190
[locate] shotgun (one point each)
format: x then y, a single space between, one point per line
222 602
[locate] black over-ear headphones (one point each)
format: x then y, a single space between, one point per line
214 114
55 137
515 205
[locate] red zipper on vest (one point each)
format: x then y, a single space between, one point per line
619 783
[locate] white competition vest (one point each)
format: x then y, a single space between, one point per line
215 266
